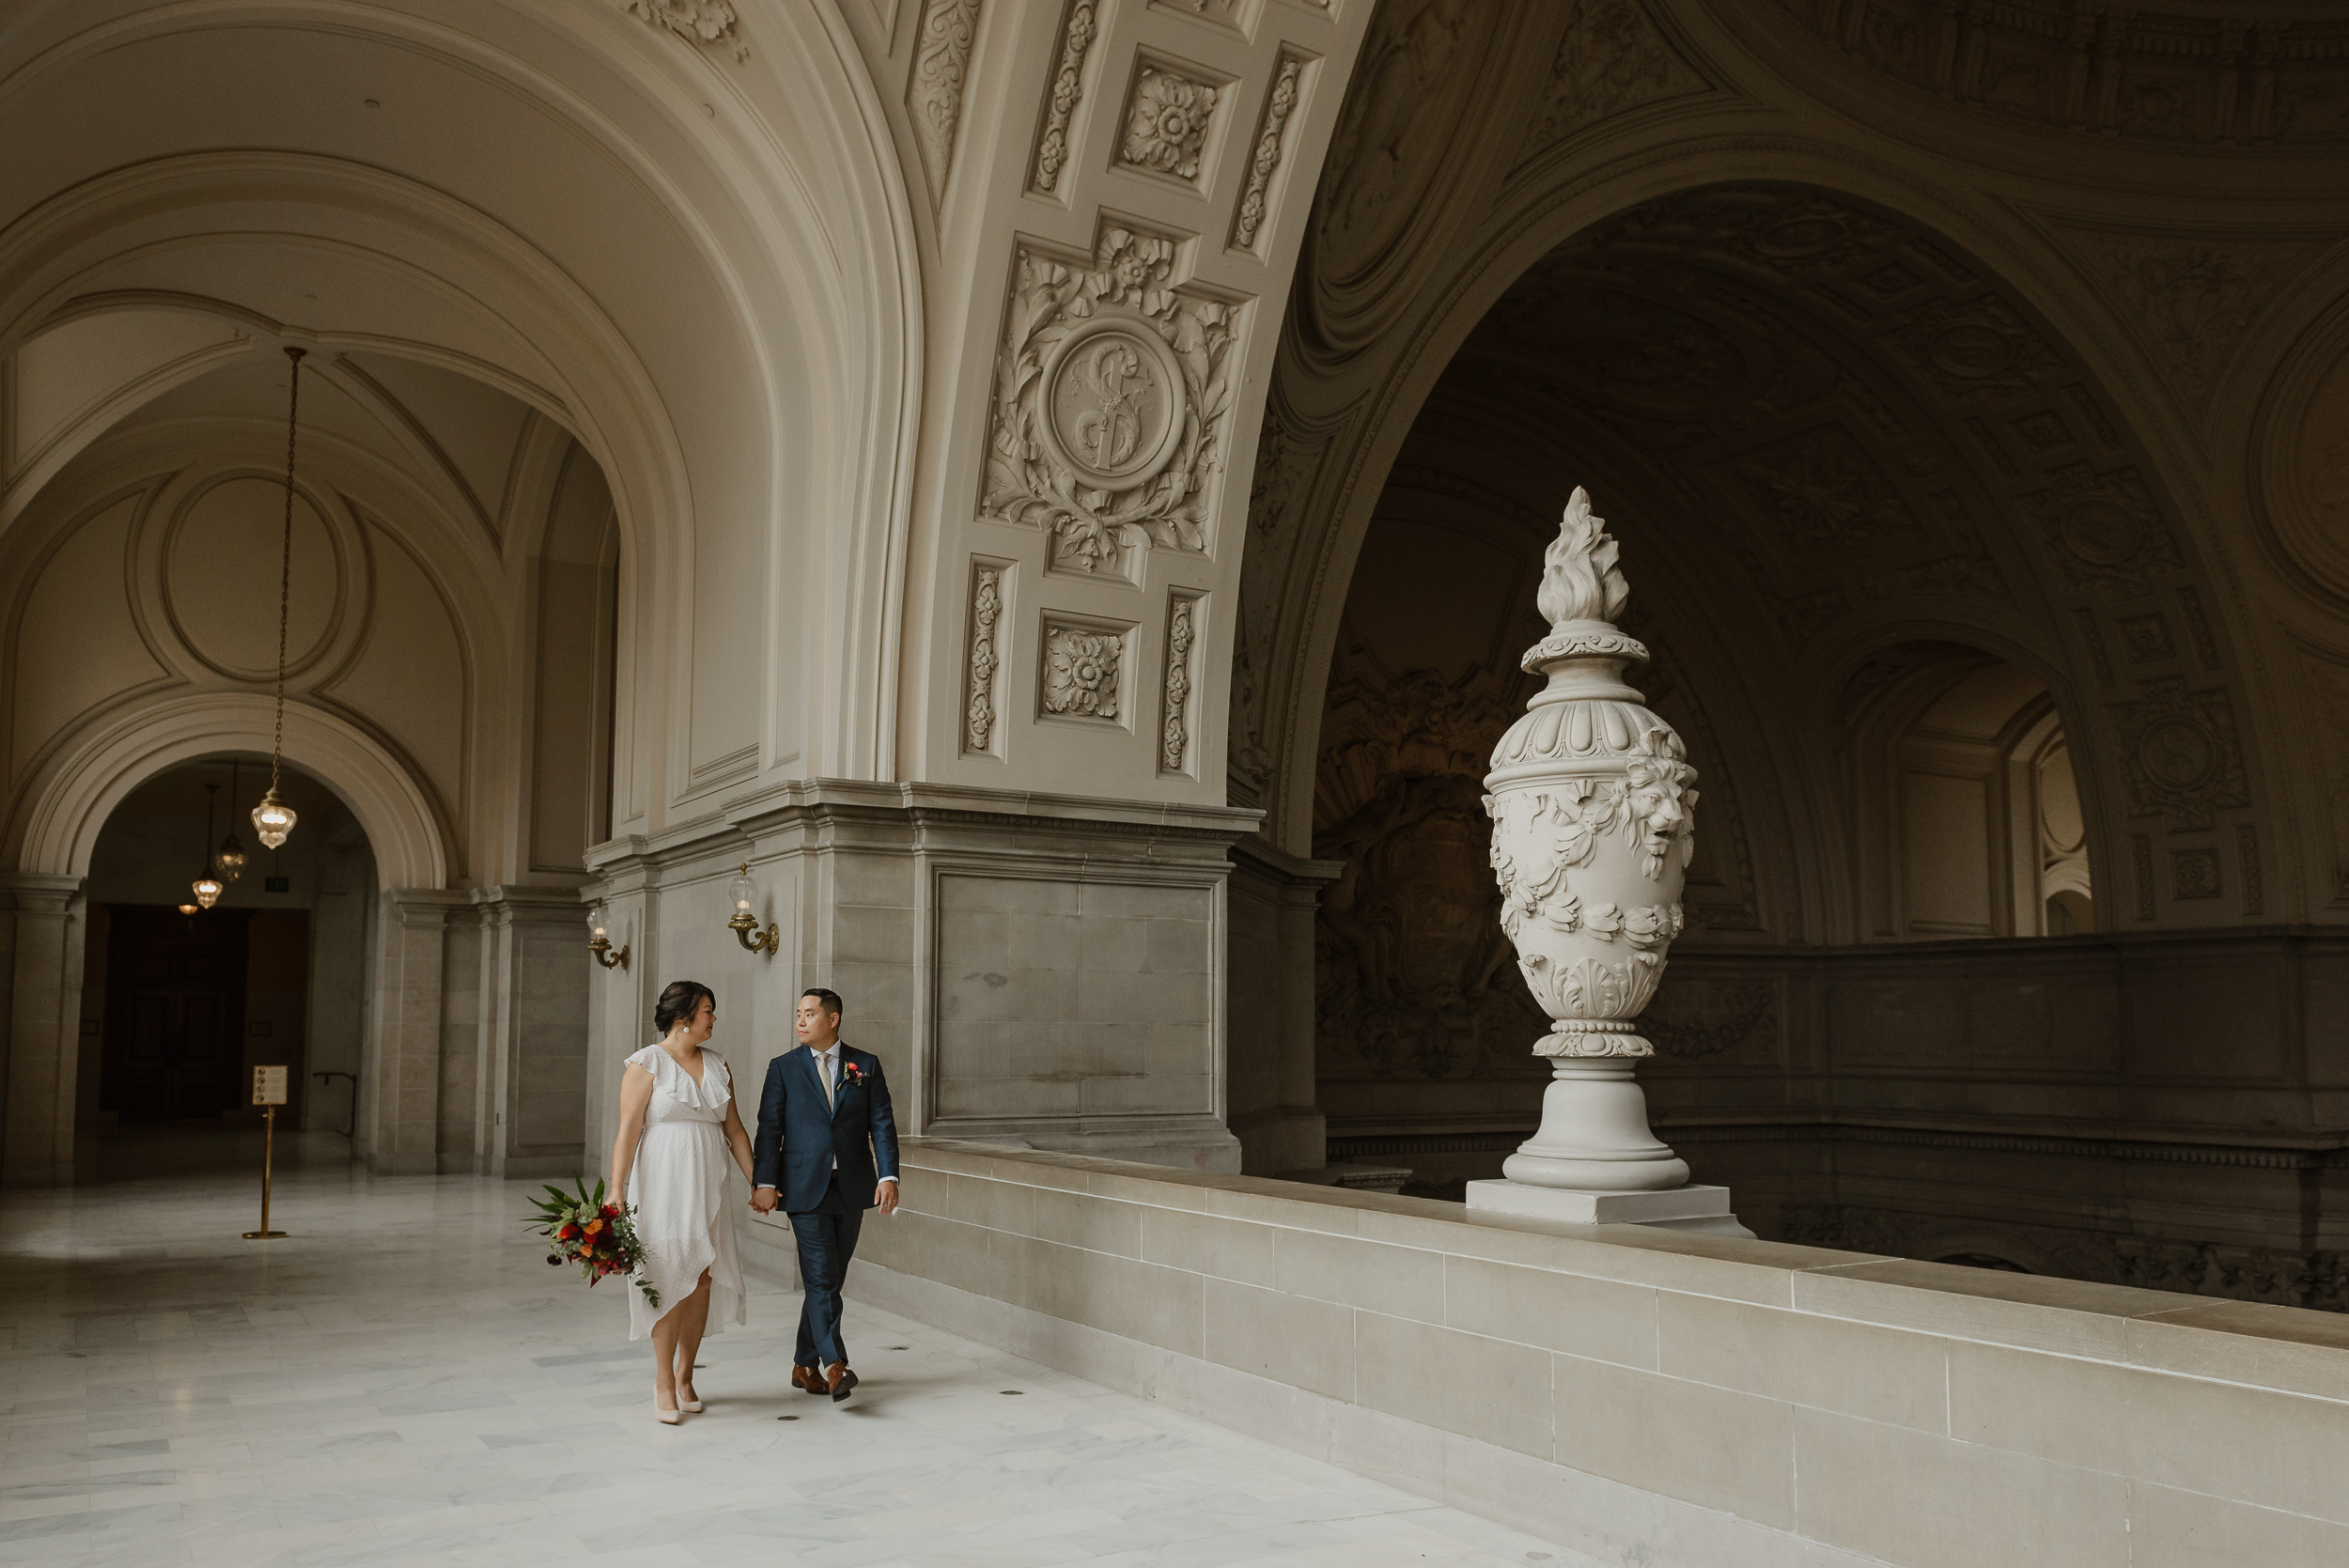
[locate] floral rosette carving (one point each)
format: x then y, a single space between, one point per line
1592 800
1080 672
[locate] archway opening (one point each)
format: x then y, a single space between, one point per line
181 1003
1970 816
1855 481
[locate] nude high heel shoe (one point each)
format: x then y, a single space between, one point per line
667 1417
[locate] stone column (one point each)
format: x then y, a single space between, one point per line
1274 1111
534 984
43 1010
403 1072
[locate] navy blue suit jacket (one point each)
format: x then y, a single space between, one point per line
800 1136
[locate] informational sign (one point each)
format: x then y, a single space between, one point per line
268 1086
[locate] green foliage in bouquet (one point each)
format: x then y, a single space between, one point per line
600 1237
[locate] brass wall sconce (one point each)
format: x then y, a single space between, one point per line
745 925
601 942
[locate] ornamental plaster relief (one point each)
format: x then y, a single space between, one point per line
980 732
1612 59
2225 80
2184 761
1182 626
701 21
1420 88
1271 141
1169 114
942 61
1083 671
1112 393
1065 92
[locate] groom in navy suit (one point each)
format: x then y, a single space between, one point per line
826 1139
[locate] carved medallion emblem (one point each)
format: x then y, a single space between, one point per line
1112 404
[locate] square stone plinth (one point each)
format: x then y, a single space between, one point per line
1681 1208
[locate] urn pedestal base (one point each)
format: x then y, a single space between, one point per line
1682 1208
1593 1135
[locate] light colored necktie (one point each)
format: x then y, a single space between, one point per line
824 1060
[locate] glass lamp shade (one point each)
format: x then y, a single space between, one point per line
208 891
596 924
229 862
743 892
187 908
273 820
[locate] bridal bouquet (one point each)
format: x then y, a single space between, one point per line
581 1228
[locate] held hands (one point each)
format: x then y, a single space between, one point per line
763 1199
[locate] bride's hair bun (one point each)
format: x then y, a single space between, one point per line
679 1003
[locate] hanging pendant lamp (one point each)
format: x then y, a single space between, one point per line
272 819
228 864
207 887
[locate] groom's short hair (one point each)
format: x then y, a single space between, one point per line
829 1001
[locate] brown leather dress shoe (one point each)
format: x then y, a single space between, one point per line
808 1380
842 1381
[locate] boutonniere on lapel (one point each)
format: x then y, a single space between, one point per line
851 1076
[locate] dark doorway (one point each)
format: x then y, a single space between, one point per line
175 1013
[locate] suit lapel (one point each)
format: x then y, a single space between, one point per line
840 1095
809 1071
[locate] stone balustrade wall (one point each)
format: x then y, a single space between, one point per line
1642 1394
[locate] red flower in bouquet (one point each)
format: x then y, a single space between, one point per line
600 1237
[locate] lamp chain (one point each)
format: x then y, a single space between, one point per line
285 562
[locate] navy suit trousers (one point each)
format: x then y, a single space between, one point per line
827 1236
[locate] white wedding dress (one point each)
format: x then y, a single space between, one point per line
678 1186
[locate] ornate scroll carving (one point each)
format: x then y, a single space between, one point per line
1110 403
986 613
711 22
941 62
1052 149
1612 59
1081 670
1175 734
1271 140
1167 120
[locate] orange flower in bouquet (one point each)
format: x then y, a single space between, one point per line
600 1237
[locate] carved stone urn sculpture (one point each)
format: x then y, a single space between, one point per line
1591 805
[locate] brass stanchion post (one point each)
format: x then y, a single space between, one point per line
269 1091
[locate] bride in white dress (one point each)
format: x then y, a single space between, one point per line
677 1124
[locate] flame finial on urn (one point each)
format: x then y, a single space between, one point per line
1580 581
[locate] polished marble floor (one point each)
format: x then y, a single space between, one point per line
404 1381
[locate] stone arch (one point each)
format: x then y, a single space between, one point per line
1946 407
57 825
